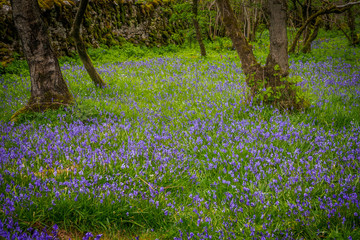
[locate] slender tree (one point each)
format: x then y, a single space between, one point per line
267 83
48 88
197 28
311 36
252 17
328 9
80 45
353 38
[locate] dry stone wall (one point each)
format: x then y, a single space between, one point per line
107 22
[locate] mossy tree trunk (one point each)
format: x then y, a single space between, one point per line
267 83
243 48
197 28
311 37
354 39
81 48
306 11
48 88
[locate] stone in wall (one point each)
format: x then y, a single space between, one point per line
106 22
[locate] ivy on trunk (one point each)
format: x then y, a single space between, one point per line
270 83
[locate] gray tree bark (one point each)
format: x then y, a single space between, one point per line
278 36
48 88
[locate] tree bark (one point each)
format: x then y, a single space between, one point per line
307 46
80 46
197 28
354 39
267 84
278 36
243 48
255 20
48 88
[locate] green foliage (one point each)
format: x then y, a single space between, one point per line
287 96
84 111
17 66
221 44
183 15
303 93
49 117
328 45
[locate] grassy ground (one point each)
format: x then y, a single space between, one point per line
170 150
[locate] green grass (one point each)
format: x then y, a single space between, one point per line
174 133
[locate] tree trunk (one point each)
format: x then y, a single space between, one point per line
306 13
351 24
278 36
255 21
327 22
197 28
307 45
243 48
80 45
267 84
247 22
48 88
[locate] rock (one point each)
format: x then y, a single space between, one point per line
105 22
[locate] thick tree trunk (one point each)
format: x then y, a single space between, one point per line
267 84
278 36
80 45
48 88
197 28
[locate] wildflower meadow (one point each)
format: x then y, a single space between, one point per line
173 149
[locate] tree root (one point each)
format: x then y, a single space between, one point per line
37 107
